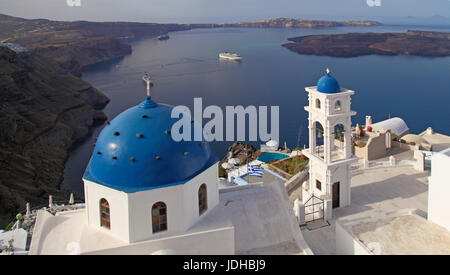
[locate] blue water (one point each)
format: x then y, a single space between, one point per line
187 66
266 157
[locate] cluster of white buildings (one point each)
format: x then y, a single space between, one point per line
147 194
14 47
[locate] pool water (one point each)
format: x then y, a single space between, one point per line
266 157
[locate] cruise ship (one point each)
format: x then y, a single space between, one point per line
230 56
163 37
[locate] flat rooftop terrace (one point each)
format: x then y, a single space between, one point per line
384 190
400 233
263 220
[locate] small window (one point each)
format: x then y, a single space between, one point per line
202 199
105 217
318 103
319 185
338 106
159 217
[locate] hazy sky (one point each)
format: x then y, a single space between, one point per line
219 10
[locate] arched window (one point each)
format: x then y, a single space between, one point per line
159 217
338 106
319 133
339 132
105 217
318 103
202 199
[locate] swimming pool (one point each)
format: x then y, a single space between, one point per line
266 157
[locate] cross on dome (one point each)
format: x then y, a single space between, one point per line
147 80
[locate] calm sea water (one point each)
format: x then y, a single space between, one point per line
187 66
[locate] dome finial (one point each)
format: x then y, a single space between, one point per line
328 70
148 103
147 80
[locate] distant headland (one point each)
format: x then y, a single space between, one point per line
419 43
292 23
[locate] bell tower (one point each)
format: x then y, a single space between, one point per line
329 152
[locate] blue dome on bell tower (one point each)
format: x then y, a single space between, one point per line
327 84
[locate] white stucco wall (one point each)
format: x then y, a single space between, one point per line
141 203
217 242
190 195
347 243
439 189
119 209
339 174
131 218
342 175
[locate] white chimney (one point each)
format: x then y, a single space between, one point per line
368 120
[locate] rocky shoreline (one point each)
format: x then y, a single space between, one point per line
418 43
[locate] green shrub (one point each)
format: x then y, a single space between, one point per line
10 225
293 165
222 172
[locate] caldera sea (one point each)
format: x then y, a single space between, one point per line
416 89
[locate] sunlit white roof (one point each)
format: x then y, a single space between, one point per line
395 124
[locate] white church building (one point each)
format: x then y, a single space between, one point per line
147 194
329 151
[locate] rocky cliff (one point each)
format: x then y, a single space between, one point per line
42 114
73 58
245 152
71 46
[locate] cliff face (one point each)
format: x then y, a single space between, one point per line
72 58
71 46
42 114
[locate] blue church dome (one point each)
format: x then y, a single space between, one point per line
327 84
136 152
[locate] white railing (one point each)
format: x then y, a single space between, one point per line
371 165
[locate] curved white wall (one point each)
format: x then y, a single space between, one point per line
130 213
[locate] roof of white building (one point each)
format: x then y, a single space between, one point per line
261 215
395 124
68 233
263 219
438 141
136 151
401 232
